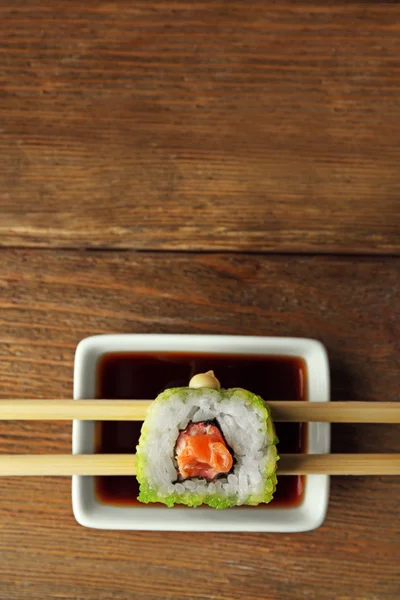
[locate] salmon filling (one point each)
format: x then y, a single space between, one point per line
201 451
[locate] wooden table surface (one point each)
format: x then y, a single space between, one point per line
199 167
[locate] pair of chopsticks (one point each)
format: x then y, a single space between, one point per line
135 410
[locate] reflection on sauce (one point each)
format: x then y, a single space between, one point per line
141 376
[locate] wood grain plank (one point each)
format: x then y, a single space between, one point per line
246 125
50 300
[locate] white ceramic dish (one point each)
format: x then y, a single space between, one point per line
308 515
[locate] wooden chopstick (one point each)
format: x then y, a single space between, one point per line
135 410
124 464
128 410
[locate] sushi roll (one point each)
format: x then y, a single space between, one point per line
205 445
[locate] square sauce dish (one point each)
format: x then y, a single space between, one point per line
140 366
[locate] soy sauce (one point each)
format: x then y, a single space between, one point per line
141 376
